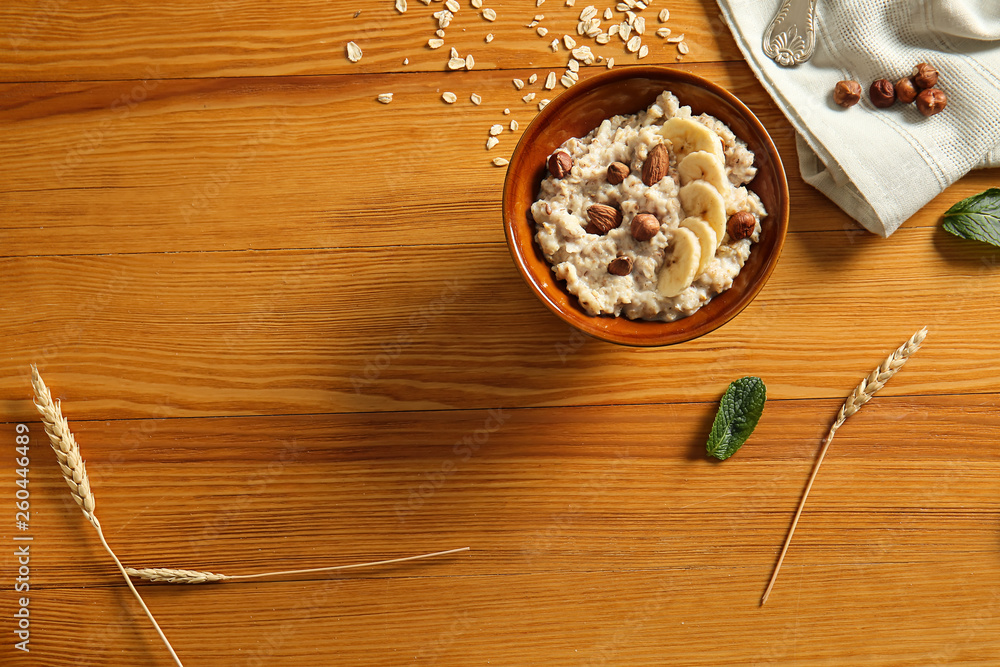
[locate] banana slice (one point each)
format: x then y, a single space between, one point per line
688 136
707 238
680 270
701 200
702 165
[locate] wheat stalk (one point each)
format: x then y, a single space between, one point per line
861 395
176 576
74 472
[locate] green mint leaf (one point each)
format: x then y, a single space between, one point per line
976 218
739 412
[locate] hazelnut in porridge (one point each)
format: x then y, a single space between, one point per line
648 216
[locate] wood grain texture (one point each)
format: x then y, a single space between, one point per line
236 38
287 333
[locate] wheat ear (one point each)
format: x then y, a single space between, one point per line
75 473
168 575
861 395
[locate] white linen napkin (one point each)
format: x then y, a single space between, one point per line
882 165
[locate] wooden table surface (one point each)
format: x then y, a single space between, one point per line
287 332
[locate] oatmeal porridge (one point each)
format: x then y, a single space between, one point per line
648 216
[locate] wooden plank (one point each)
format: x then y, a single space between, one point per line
190 334
587 541
61 41
266 163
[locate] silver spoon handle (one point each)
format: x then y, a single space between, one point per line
791 37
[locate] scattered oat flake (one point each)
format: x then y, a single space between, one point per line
608 14
452 6
449 97
401 6
573 75
539 3
489 14
641 5
385 98
476 4
554 45
634 44
496 129
542 104
456 63
489 37
435 43
603 38
643 51
539 17
640 25
569 42
439 32
532 79
573 65
611 63
527 98
683 48
532 24
406 61
354 52
676 39
593 31
589 12
664 15
622 7
454 53
624 30
613 30
491 142
542 31
476 99
581 28
518 83
570 3
663 32
550 81
501 162
506 112
470 62
513 125
566 80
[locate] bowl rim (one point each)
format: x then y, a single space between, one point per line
575 319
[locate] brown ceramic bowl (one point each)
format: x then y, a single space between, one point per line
578 111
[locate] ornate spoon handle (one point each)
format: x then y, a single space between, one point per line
791 37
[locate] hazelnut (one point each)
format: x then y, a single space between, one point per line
560 164
882 93
925 76
906 90
620 266
741 225
931 101
644 227
617 172
847 93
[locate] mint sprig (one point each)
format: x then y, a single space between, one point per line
976 217
739 411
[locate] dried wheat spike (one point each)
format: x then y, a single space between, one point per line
168 575
871 384
67 450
